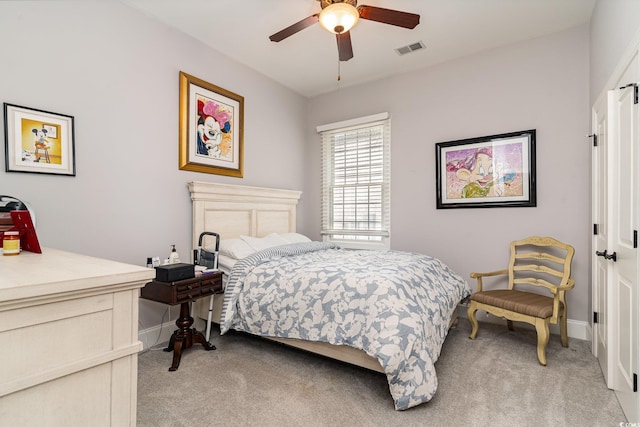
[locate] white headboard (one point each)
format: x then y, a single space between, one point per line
234 210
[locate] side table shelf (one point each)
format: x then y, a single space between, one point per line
184 292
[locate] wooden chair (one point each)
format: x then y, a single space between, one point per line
44 147
535 263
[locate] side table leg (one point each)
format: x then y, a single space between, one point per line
177 352
198 337
185 336
172 341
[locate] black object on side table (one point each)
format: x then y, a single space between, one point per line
184 292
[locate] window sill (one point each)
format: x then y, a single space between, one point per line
351 244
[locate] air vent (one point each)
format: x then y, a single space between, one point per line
410 48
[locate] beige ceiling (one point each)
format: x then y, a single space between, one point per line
307 62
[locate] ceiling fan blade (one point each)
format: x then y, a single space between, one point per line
388 16
291 30
345 51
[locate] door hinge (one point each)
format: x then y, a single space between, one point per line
595 229
635 383
635 91
635 239
595 317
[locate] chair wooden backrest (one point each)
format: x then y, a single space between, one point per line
541 262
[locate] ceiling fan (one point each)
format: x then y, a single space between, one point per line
339 16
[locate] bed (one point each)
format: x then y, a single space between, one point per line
257 215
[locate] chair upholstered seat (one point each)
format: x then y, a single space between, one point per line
518 301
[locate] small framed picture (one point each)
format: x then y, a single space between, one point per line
485 172
38 141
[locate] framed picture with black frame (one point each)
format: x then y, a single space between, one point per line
485 172
38 141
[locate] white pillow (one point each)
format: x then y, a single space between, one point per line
266 242
295 237
235 248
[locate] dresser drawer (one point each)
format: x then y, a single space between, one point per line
187 295
188 290
211 285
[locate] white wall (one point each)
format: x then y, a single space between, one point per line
116 72
541 84
614 27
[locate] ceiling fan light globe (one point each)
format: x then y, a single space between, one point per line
339 18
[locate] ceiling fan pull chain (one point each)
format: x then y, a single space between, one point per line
338 70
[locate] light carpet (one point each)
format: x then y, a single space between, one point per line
494 380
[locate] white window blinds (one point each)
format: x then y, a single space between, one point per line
355 182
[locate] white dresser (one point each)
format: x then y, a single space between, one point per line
68 340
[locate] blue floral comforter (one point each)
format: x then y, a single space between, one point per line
396 306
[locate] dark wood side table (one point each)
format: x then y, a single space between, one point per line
184 292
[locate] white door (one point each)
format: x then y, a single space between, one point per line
623 192
600 266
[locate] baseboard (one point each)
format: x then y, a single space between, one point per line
155 335
575 328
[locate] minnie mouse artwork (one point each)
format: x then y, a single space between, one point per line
213 124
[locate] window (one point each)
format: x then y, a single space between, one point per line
355 182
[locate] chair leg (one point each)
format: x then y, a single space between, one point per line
510 325
542 328
563 329
471 315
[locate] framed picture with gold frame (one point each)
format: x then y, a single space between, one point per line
38 141
211 134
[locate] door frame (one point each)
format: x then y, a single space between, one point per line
630 399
